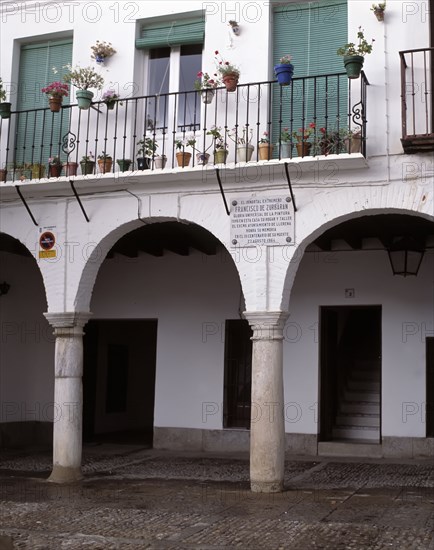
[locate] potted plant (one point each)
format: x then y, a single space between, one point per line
354 55
145 152
87 164
5 107
105 162
55 91
284 70
3 174
101 51
220 146
110 98
55 166
330 142
301 136
353 141
38 170
183 157
83 79
230 73
265 148
70 168
242 140
285 143
379 10
160 161
124 164
234 26
206 85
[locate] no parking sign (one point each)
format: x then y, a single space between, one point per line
47 240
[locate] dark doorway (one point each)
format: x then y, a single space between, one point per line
119 381
238 374
430 387
350 365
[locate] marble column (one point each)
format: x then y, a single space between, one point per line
68 395
267 428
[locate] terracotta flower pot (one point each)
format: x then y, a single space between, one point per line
54 170
230 81
183 158
303 149
55 102
265 151
70 168
3 174
105 165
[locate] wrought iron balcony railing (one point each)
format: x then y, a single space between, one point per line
320 115
417 100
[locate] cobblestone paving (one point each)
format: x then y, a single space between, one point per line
132 498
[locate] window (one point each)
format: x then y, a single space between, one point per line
173 51
311 32
36 64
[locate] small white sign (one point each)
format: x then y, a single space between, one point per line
262 221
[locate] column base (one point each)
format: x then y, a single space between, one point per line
63 474
266 486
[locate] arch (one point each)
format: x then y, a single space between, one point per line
310 234
99 253
13 245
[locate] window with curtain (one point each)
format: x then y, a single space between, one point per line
39 133
311 32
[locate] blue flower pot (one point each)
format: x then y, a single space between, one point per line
284 72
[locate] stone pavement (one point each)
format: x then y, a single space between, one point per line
134 498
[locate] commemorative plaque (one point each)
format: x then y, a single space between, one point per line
265 221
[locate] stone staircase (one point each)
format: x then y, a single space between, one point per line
358 416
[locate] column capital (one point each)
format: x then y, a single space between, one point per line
68 319
266 325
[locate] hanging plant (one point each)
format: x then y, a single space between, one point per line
101 51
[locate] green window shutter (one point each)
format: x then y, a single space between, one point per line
311 33
39 133
173 33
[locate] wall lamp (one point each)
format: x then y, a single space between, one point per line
4 288
405 255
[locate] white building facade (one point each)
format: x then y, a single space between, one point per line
180 303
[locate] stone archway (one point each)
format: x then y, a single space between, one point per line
26 350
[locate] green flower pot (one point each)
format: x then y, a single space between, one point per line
124 164
84 98
5 110
87 167
353 65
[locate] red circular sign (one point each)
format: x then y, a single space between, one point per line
47 240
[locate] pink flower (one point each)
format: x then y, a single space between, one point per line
216 52
199 74
312 125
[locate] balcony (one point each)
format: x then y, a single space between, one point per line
328 112
417 100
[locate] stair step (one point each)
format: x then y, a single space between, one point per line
372 420
355 432
366 396
361 385
360 407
